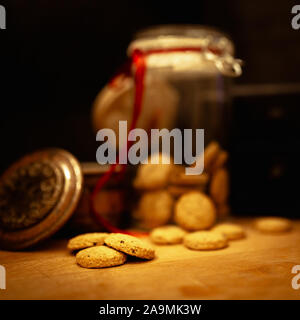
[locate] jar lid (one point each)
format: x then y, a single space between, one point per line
38 194
170 36
187 47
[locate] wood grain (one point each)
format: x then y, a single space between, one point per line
258 267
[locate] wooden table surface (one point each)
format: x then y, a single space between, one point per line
258 267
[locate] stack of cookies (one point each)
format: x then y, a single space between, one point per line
165 187
101 250
195 216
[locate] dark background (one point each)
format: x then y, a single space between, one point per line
56 55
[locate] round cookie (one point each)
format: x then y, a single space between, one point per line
87 240
230 231
205 240
100 257
131 245
195 211
273 224
167 235
151 176
219 186
154 209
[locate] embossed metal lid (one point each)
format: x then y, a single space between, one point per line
38 194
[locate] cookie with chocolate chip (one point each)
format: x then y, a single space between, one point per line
87 240
100 257
130 245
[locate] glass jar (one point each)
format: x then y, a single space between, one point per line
188 71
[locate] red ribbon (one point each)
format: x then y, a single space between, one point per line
138 61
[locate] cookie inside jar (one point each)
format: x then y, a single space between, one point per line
178 78
162 187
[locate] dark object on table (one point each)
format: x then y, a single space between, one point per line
38 194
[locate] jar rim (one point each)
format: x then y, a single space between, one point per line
181 30
186 35
186 41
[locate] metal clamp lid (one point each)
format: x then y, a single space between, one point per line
187 47
38 194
